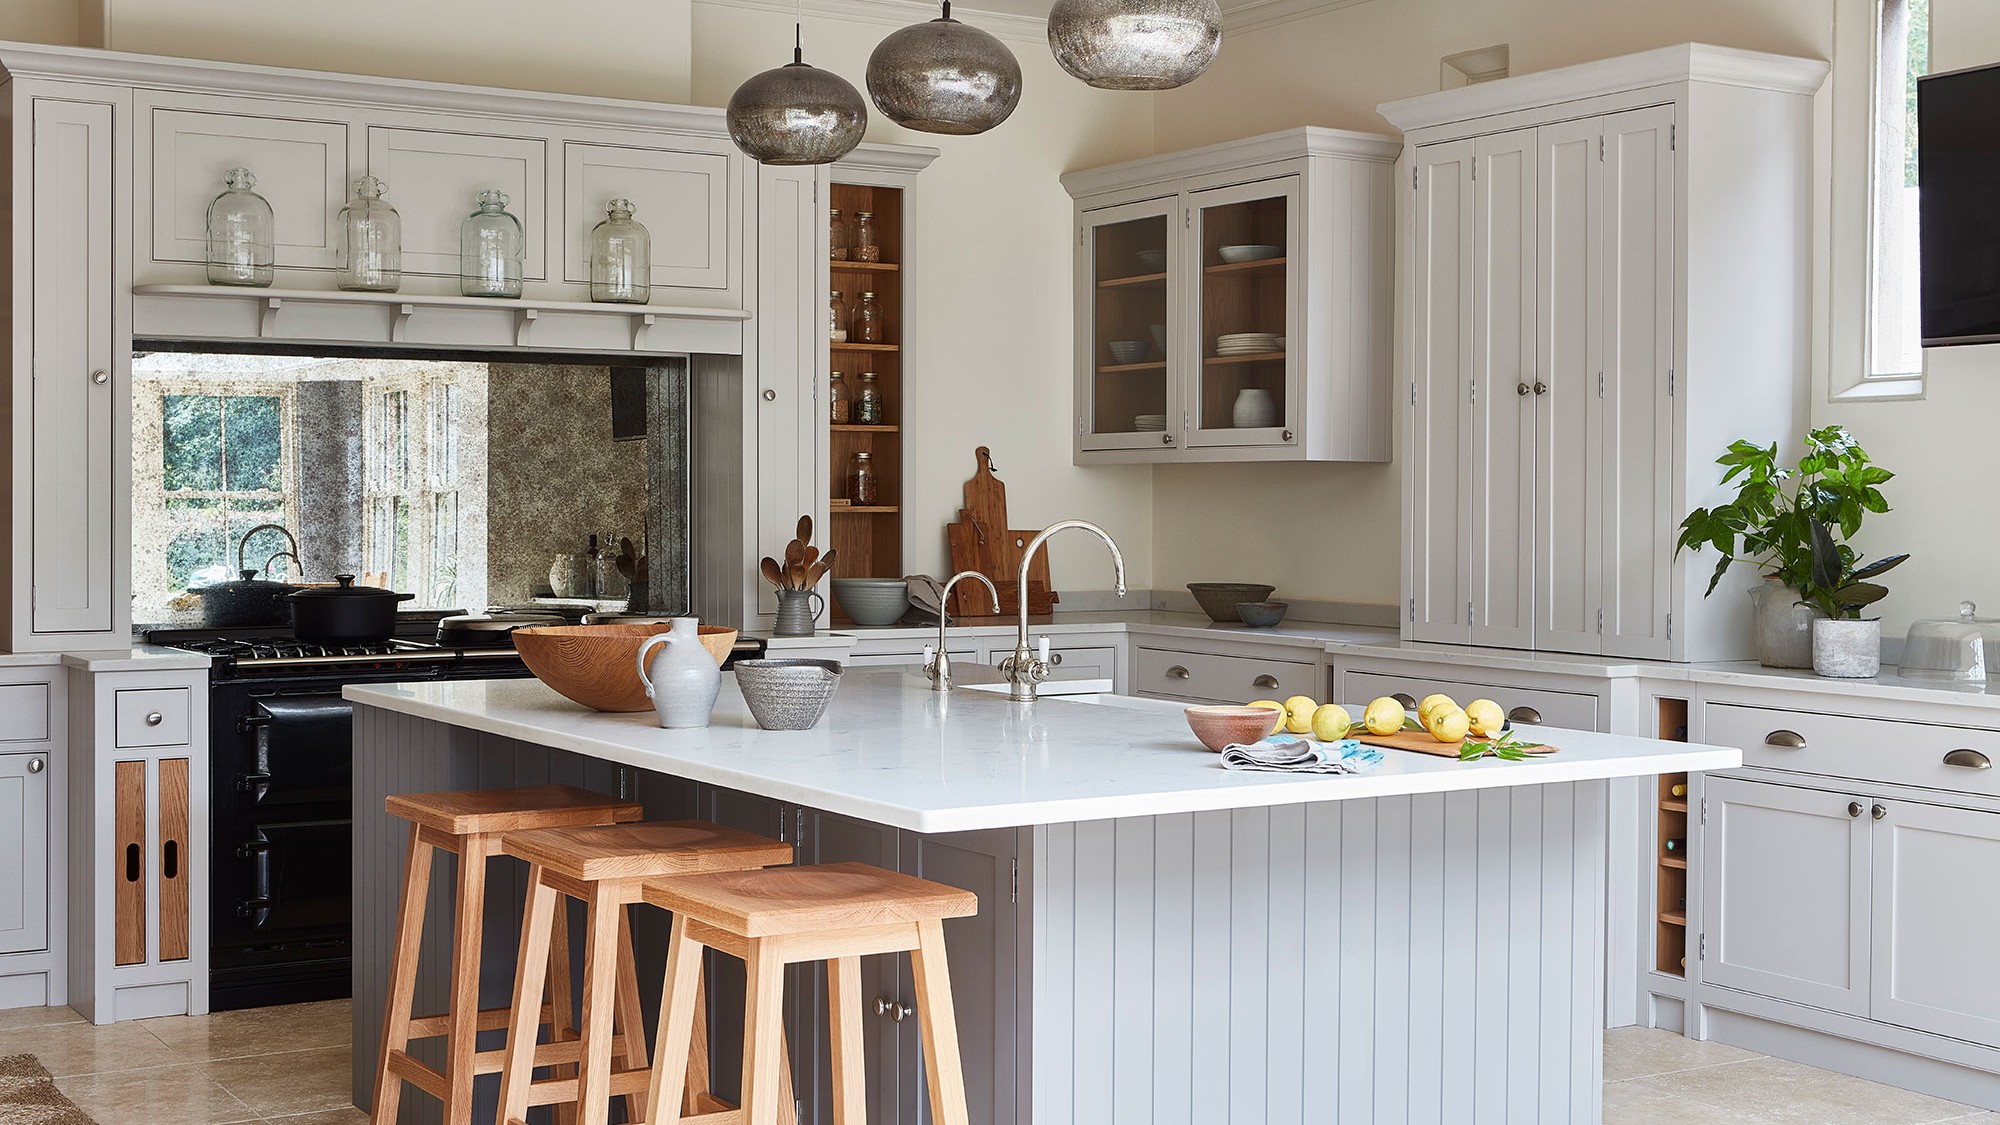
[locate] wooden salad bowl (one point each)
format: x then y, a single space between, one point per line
598 665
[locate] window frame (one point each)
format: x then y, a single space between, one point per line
434 472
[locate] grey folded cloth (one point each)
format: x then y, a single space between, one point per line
1288 753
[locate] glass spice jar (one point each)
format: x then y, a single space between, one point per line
862 487
836 319
241 242
371 242
492 249
837 236
868 320
866 247
836 399
868 406
621 257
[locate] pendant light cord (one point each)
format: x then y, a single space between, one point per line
798 44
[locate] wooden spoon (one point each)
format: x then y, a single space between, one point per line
806 528
769 569
820 569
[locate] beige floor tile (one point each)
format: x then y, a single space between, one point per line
1636 1052
13 1018
348 1116
1780 1091
81 1048
256 1031
167 1095
1633 1103
292 1083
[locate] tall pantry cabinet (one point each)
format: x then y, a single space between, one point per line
1608 281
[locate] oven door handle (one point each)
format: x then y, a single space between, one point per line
257 782
257 908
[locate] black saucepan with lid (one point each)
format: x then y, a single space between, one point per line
345 614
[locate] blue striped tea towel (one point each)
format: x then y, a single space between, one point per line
1288 753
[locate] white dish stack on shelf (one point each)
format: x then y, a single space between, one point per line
1248 343
1149 423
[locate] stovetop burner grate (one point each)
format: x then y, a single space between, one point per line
271 648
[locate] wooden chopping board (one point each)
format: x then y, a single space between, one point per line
981 541
1420 742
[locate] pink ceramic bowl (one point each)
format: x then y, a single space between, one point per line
1218 727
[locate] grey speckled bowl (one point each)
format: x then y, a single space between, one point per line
872 601
1220 599
787 694
1262 615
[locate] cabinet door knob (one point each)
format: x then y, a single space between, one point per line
894 1009
1785 739
1524 714
1878 812
1287 435
1970 759
1541 388
770 395
1177 673
1266 680
154 718
1854 808
1521 389
1166 439
100 377
35 765
1055 658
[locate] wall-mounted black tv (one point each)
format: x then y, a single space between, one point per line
1958 193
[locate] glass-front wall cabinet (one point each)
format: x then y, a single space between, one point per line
1241 391
1130 266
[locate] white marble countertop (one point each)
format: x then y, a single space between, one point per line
890 750
151 658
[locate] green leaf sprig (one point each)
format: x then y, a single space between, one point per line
1507 747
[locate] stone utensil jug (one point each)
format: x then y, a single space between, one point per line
682 680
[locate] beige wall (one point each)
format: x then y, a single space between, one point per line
40 21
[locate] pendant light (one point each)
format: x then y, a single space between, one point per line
1135 44
944 77
796 113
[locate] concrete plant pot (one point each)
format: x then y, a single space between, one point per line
1784 626
1847 649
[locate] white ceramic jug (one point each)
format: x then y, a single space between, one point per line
1254 409
683 680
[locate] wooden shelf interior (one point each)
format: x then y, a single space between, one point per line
1670 873
870 538
1241 297
1130 304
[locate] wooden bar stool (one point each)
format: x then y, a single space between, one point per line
837 913
468 824
605 866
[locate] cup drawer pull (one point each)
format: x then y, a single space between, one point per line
1177 673
1524 714
1970 759
1785 739
1266 680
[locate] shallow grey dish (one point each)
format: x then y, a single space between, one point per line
1220 599
787 694
1262 615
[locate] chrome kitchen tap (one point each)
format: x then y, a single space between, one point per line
937 663
280 529
1025 669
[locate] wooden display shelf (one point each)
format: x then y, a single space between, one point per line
1673 918
863 428
845 265
849 347
1674 804
1265 265
1135 282
1129 368
865 510
1674 862
1258 357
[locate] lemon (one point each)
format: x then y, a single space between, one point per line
1438 699
1383 716
1450 726
1331 723
1487 717
1277 712
1299 713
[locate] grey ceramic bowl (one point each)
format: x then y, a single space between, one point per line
1153 260
1220 599
787 694
1262 615
872 601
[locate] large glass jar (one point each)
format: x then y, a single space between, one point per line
241 239
621 257
836 399
866 248
868 320
862 487
836 318
868 401
837 236
371 241
492 249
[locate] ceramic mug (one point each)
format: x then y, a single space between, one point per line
683 680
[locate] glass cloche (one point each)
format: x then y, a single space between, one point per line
1963 648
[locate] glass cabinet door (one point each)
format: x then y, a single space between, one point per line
1244 387
1128 389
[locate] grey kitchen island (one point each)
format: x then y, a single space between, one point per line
1159 940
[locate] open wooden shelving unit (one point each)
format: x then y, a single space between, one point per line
1670 880
869 537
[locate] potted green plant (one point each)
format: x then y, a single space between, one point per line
1793 523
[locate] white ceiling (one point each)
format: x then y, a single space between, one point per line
1024 19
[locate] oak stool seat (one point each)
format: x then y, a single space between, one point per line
605 867
468 824
778 916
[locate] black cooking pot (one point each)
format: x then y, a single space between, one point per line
345 614
248 602
489 630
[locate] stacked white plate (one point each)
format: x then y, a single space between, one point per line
1149 423
1247 343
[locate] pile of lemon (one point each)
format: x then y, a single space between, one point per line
1439 714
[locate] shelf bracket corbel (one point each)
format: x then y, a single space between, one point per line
399 329
642 328
267 321
523 320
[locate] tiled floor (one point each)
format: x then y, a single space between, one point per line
290 1065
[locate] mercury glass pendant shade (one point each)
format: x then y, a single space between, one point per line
944 77
797 114
1135 44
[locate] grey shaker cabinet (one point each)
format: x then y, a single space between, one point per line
24 851
1936 895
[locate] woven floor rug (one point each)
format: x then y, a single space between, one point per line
28 1096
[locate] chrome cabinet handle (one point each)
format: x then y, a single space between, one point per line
1177 673
1878 812
1970 759
1854 808
894 1009
1785 739
1265 681
1166 439
154 718
35 765
1287 435
1521 389
1541 388
100 377
1055 658
1524 714
1408 701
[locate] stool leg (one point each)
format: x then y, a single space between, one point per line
850 1081
530 978
402 975
562 1003
940 1026
763 1033
631 1022
468 927
677 1024
600 986
700 1076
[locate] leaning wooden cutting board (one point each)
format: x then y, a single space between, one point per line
1421 742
